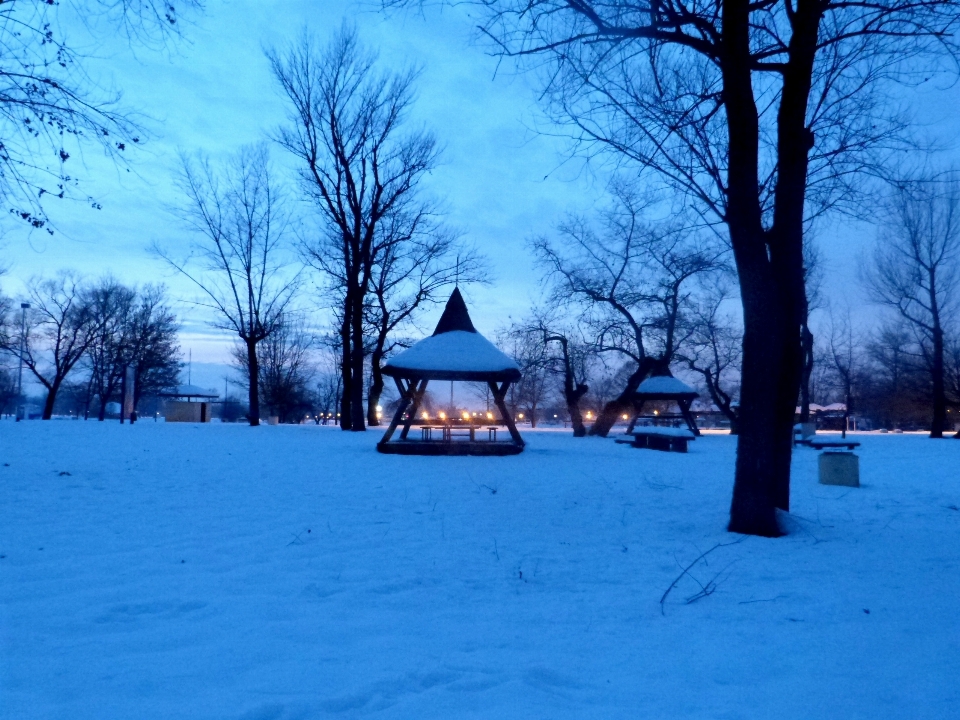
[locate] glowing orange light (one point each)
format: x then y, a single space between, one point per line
489 416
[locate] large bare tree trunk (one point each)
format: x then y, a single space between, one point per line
939 424
51 399
253 368
572 392
769 265
623 403
752 509
376 386
345 367
760 446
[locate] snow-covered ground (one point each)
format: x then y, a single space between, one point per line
176 571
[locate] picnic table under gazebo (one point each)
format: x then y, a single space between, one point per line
455 352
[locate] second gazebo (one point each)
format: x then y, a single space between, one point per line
455 351
665 388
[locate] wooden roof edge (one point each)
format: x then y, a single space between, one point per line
455 375
666 396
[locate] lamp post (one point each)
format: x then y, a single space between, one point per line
23 336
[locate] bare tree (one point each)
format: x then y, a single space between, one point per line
526 343
6 317
550 350
813 282
8 383
8 391
846 359
238 258
953 383
894 362
915 271
713 349
764 114
152 345
359 165
286 369
111 304
572 363
50 107
61 326
329 388
631 281
416 261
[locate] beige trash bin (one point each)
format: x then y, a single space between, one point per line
840 468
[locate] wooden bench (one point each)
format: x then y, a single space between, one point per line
661 438
447 431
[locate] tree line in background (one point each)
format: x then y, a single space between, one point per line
631 298
97 331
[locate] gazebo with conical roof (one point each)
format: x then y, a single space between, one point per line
455 351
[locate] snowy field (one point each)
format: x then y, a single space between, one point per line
177 571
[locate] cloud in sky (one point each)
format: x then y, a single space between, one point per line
501 181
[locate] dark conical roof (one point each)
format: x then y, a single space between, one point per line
455 315
455 351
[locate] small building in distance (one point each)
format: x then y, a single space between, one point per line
188 403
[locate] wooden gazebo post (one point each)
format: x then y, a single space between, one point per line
499 396
411 396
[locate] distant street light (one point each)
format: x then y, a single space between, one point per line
23 338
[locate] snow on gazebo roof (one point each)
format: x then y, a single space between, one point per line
455 351
666 387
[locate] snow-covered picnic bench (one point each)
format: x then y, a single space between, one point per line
661 438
